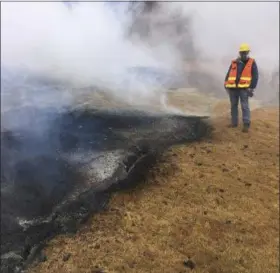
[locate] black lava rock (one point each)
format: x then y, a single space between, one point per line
59 167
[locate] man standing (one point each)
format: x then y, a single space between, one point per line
240 82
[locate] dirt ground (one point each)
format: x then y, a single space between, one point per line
213 204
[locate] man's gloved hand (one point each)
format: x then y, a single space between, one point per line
250 92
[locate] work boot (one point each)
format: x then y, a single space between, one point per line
245 128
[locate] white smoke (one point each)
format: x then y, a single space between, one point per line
86 45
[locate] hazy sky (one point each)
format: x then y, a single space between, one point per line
221 27
87 44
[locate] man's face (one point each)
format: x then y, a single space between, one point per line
244 55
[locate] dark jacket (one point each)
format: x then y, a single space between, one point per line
240 67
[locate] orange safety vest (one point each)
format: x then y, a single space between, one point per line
245 78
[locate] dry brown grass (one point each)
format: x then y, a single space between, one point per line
216 202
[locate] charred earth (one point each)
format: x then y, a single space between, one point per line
53 177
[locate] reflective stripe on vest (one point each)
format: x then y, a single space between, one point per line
231 80
246 75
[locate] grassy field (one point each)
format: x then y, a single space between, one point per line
213 204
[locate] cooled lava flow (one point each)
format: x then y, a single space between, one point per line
59 164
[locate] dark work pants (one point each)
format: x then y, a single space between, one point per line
235 96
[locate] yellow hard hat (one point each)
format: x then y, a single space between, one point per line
244 47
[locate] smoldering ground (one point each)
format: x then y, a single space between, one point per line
51 183
59 163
